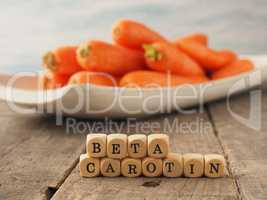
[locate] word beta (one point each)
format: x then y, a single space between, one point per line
135 155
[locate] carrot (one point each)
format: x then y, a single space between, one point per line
96 78
210 60
145 78
52 81
235 68
103 57
62 60
165 57
197 37
132 34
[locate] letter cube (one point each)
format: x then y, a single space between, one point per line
152 167
193 165
131 167
137 146
110 167
89 167
117 146
158 145
96 145
214 165
173 165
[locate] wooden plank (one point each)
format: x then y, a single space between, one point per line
246 148
35 155
145 188
76 187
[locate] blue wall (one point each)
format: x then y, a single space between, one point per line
29 28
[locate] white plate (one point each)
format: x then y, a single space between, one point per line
92 101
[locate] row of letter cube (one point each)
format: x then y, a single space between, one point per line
119 146
174 165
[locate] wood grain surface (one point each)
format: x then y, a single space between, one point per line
35 155
245 148
39 160
76 187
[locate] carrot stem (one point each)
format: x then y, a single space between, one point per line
151 52
50 61
117 31
83 51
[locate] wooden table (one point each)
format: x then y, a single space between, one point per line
39 160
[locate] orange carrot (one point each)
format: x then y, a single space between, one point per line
143 78
96 78
62 60
197 37
165 57
103 57
132 34
52 81
210 59
235 68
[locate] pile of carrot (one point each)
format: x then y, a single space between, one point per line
140 57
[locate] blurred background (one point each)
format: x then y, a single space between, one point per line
29 28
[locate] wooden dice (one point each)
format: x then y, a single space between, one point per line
214 165
137 146
152 167
135 155
110 167
89 167
117 146
131 167
158 145
173 165
96 145
193 165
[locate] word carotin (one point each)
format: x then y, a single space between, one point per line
135 155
